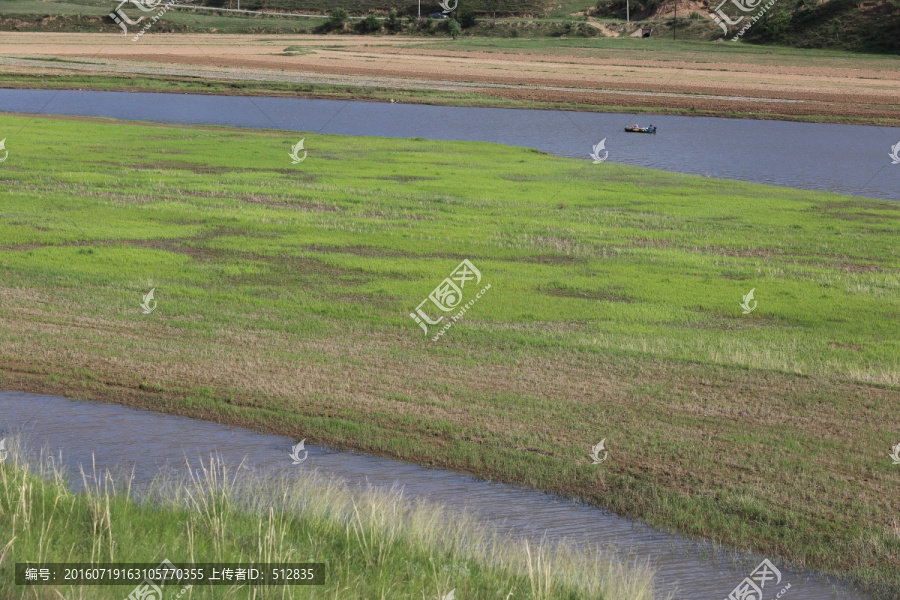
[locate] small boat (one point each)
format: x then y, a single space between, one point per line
636 129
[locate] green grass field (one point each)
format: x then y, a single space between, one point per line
614 312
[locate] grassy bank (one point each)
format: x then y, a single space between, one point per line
614 312
374 544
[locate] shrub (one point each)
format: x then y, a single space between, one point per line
370 24
335 21
393 22
778 24
835 26
467 19
454 28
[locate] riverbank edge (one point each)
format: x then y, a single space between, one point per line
431 97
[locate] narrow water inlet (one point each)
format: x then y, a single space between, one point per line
118 437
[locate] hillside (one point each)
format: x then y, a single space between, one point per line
843 24
870 26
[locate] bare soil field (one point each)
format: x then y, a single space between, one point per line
744 82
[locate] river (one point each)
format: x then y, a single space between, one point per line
850 159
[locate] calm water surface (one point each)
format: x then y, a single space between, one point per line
122 437
850 159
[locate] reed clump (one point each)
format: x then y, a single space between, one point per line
375 543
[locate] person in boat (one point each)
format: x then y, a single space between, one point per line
651 129
636 127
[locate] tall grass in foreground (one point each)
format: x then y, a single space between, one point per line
374 543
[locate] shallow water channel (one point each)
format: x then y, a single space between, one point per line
850 159
116 437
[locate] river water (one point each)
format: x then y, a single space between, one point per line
118 437
850 159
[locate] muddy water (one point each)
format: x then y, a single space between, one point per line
118 437
850 159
